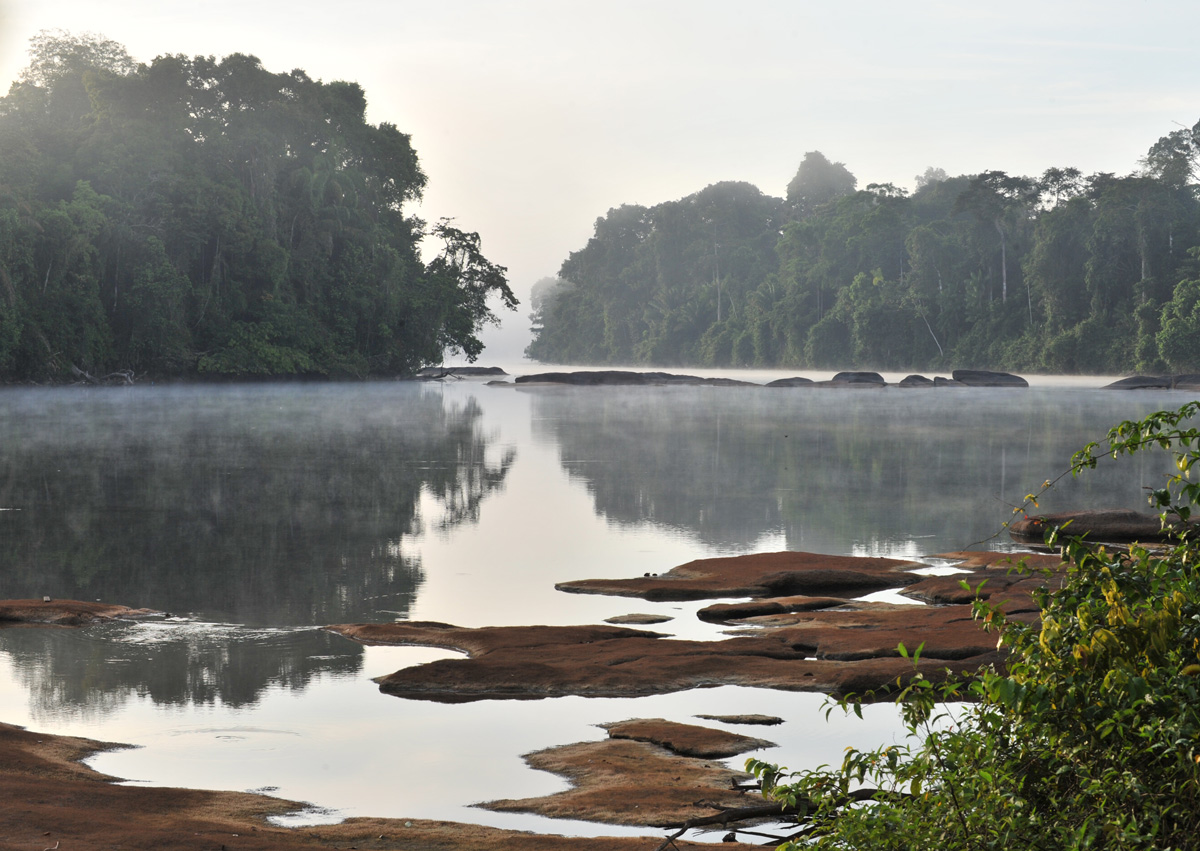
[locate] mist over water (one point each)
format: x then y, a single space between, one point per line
256 514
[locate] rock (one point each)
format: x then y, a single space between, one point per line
47 789
1109 525
835 652
987 378
1141 382
625 378
1190 381
759 575
636 619
872 378
629 782
685 739
796 381
916 381
727 612
762 720
942 381
434 372
65 612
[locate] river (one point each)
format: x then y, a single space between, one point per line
254 514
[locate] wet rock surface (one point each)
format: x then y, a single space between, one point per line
1116 525
833 645
65 612
648 772
639 619
685 739
51 800
760 575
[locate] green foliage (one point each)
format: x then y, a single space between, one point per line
196 215
1058 273
1089 737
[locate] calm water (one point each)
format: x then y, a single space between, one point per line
256 514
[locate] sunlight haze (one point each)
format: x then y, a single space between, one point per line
532 119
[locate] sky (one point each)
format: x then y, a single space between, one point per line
532 119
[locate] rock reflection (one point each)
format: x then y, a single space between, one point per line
872 472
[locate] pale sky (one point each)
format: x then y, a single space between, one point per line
533 118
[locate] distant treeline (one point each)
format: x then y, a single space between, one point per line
199 217
1062 273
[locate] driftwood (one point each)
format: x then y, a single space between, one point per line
121 376
758 812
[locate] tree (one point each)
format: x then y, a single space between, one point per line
817 182
196 215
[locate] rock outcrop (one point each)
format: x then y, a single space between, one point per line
648 772
1110 525
48 612
625 378
987 378
779 574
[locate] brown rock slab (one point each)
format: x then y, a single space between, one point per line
685 739
51 800
636 619
64 612
726 612
546 661
758 575
631 782
875 630
1006 580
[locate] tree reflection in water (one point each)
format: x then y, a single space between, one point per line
280 506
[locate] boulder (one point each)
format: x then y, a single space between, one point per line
872 378
987 378
942 381
916 381
796 381
1141 382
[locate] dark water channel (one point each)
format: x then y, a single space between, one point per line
255 514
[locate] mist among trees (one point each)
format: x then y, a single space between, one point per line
1058 273
195 216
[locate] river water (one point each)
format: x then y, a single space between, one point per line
255 514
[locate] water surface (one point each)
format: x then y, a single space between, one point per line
256 514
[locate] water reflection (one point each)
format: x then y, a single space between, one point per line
242 507
272 505
90 673
869 472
